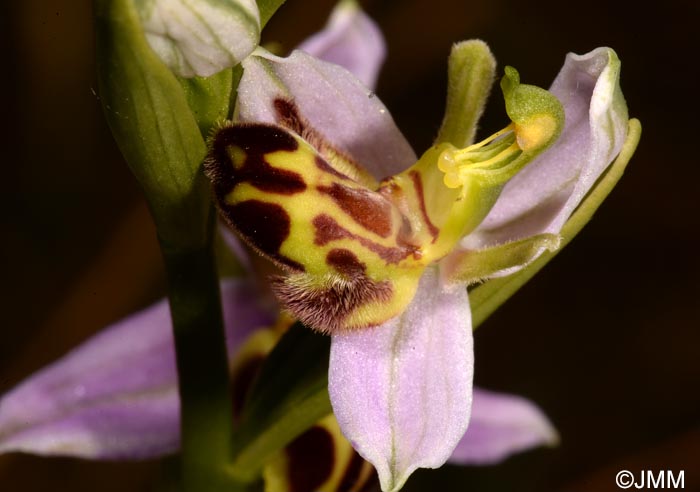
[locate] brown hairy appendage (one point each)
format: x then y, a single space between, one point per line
325 305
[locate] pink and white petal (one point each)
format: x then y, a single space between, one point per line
502 425
115 396
352 40
541 197
342 111
401 392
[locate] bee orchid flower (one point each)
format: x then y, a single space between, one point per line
376 247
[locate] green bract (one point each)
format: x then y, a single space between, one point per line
200 37
152 124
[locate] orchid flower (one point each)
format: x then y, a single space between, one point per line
377 245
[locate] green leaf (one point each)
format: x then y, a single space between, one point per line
288 397
486 298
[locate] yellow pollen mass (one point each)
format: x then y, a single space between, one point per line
536 132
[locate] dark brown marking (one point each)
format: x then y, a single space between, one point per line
311 457
418 185
256 141
327 168
265 226
353 473
327 230
372 482
345 262
288 116
252 138
366 208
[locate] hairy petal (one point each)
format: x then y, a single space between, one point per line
352 40
541 197
337 108
502 425
402 391
115 396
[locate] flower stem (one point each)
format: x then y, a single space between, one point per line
206 414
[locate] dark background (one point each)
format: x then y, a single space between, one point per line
605 339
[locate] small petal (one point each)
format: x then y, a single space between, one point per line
115 396
339 110
472 266
402 391
500 426
470 74
200 37
541 197
352 40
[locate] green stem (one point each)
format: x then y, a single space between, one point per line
206 413
160 139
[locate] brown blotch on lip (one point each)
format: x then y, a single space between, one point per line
288 116
265 226
366 208
327 230
352 477
345 262
311 457
327 168
418 185
256 141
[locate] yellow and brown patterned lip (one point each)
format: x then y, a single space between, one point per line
364 207
264 226
322 460
327 230
299 202
288 116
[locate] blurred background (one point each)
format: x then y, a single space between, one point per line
605 339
